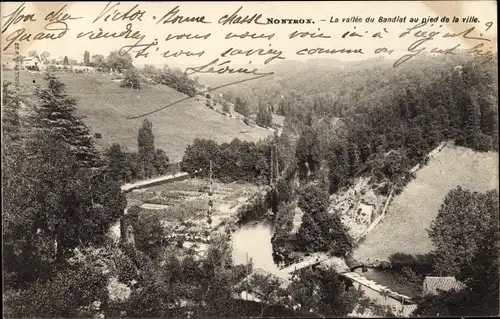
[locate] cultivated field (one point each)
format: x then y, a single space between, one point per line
186 202
410 214
106 106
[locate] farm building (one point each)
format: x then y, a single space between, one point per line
32 62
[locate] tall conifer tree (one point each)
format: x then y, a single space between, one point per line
146 146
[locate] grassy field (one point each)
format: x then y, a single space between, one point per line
106 106
411 212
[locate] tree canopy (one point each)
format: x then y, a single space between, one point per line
466 236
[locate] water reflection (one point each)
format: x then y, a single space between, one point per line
254 241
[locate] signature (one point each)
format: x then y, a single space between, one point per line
224 68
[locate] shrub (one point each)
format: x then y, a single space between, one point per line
69 294
225 107
131 79
149 233
241 106
313 200
176 80
126 269
264 117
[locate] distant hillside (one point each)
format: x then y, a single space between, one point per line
106 106
347 85
403 230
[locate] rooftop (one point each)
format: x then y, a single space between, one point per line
433 285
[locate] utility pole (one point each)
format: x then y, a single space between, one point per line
246 278
271 167
210 178
276 156
210 202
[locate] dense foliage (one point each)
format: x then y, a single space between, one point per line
147 162
389 134
241 106
55 116
149 233
118 62
238 160
131 79
323 291
146 147
59 200
10 113
264 117
56 202
171 77
321 230
466 236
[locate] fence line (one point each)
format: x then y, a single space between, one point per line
379 218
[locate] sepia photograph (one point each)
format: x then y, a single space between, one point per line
250 159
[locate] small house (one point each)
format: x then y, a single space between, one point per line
435 285
32 63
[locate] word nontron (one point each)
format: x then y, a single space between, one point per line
289 21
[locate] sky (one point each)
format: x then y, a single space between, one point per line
69 45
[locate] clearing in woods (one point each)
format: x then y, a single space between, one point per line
106 106
403 230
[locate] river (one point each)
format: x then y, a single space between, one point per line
253 241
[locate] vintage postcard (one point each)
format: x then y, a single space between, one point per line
250 159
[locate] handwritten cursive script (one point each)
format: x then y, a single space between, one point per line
222 68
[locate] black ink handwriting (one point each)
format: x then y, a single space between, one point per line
247 34
168 54
187 36
417 32
311 35
328 51
16 16
221 68
143 48
416 48
129 15
173 17
276 54
60 15
479 51
465 35
21 35
234 18
128 33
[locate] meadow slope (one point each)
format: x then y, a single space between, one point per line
404 227
106 106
